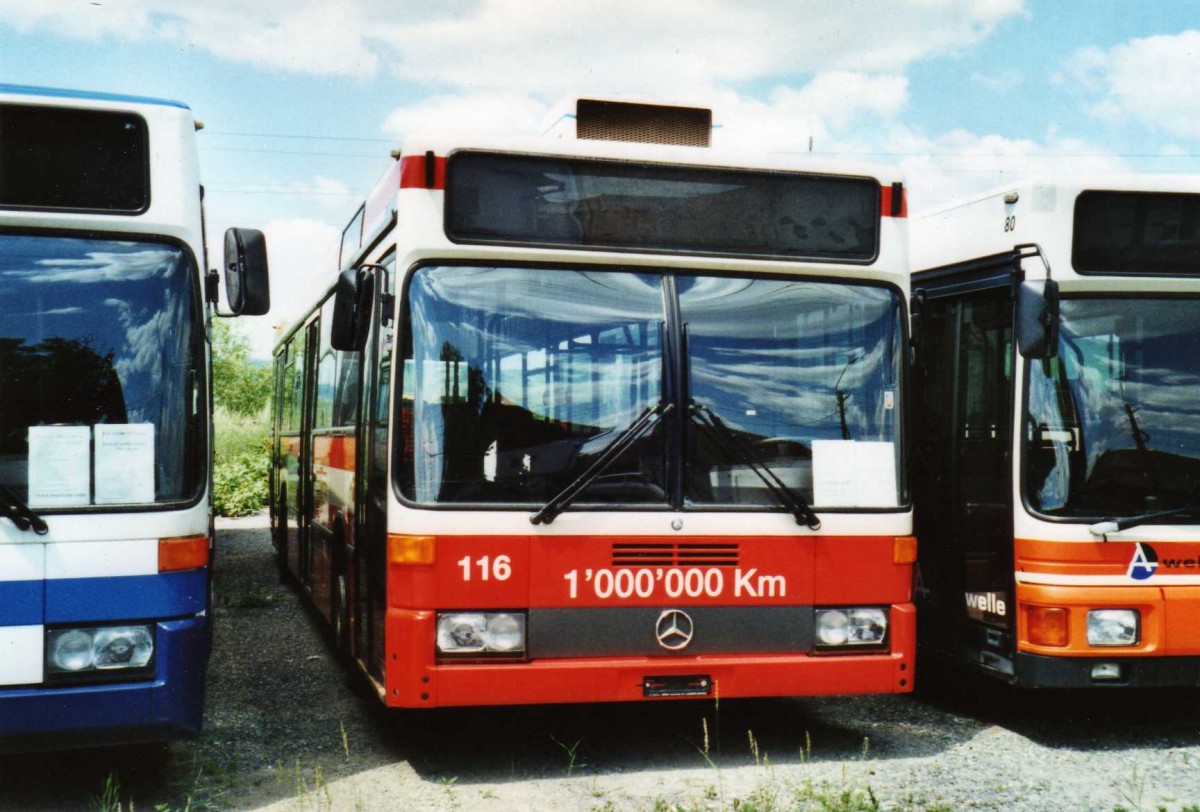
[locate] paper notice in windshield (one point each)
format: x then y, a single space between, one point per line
124 463
59 466
849 473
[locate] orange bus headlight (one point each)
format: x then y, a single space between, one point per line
1112 627
496 633
1047 626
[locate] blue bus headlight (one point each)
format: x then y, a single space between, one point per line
481 633
85 651
851 627
70 650
123 647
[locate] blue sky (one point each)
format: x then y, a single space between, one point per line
302 101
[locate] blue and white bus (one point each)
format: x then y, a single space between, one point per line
105 428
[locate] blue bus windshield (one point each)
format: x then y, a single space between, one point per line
101 372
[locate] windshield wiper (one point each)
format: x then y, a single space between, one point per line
19 513
735 447
1112 524
650 416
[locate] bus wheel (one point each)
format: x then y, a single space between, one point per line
341 617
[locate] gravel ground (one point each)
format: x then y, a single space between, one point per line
284 733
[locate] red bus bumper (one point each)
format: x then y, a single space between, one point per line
415 680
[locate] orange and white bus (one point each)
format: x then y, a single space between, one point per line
590 419
1056 454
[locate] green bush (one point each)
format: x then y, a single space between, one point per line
241 425
242 463
241 482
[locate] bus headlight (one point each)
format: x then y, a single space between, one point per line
101 648
71 650
851 627
123 647
1112 627
501 633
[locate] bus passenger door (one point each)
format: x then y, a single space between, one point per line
370 554
305 485
984 474
961 475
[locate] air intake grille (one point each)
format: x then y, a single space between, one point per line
675 555
642 123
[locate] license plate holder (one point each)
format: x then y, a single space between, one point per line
677 685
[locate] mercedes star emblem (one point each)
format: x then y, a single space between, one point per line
673 629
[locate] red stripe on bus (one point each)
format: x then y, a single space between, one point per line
412 172
581 571
886 202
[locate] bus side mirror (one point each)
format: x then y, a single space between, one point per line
246 282
352 310
1037 319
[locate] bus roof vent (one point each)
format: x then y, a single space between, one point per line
643 123
638 122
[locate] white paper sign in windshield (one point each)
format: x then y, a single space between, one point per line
850 473
59 466
124 463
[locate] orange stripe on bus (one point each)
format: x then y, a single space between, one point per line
1072 557
1094 557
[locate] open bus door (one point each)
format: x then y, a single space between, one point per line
962 472
369 579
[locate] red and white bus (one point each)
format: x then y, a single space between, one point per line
607 416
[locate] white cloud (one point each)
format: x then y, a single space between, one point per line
825 109
124 21
1150 80
478 112
321 37
675 46
541 46
302 256
950 165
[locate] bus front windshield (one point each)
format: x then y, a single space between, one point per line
101 362
517 379
1112 424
